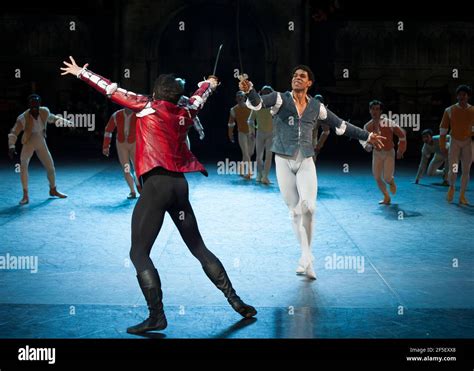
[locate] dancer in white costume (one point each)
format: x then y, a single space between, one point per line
294 116
33 123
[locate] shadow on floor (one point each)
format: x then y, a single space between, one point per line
393 211
231 330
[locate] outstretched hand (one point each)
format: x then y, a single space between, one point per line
376 140
72 67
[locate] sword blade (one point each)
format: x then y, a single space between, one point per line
217 60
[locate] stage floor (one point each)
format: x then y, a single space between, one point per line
417 280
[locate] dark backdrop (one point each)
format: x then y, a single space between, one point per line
411 71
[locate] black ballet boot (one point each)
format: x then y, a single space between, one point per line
217 274
150 284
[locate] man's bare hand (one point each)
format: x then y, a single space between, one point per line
399 155
106 152
214 81
245 86
72 67
376 140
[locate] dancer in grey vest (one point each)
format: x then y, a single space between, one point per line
295 114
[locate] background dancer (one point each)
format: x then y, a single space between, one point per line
124 120
33 122
246 135
383 159
162 158
262 121
431 147
458 119
295 114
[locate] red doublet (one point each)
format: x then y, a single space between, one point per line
161 126
161 140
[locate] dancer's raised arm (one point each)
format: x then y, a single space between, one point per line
122 97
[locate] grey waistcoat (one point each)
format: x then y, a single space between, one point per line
291 132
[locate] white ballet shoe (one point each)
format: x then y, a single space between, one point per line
305 267
300 269
309 271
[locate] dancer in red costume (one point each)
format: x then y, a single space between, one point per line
162 158
124 121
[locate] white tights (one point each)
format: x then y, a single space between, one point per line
298 185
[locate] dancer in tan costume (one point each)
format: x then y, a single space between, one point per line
33 123
383 160
239 115
459 118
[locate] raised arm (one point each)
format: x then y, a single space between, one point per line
199 98
254 100
56 119
342 127
122 97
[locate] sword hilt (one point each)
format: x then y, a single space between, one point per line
243 77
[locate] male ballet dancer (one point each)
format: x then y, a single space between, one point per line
431 147
239 115
33 122
460 119
162 158
383 160
294 116
124 120
262 121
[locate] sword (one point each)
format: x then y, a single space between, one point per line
217 60
243 76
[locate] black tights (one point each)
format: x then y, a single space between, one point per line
165 191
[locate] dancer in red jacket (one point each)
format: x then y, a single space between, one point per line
124 120
161 159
